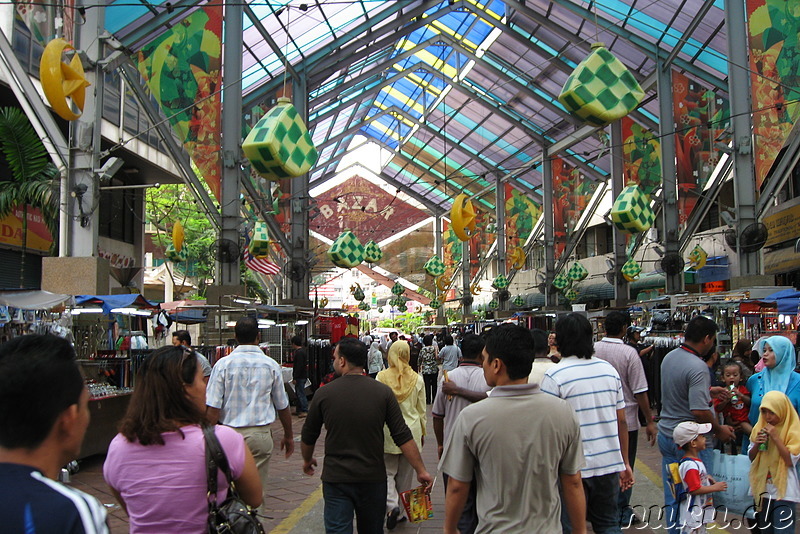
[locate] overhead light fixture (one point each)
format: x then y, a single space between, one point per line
301 323
230 324
124 311
78 311
239 300
142 312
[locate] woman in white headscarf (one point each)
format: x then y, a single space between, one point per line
374 359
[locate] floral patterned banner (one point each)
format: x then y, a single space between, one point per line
521 216
774 27
479 243
451 247
702 120
571 195
47 20
182 68
641 156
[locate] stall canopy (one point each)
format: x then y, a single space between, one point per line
33 300
110 302
187 311
787 300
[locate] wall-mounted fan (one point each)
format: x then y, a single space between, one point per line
611 276
672 263
467 300
295 270
224 250
753 237
503 295
541 287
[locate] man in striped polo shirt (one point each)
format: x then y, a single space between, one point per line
594 390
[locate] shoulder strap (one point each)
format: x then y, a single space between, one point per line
216 459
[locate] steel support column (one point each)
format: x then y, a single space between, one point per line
437 249
300 196
744 182
228 273
550 296
500 215
621 291
669 187
466 283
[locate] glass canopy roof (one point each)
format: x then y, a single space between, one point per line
460 92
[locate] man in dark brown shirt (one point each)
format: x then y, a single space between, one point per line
353 409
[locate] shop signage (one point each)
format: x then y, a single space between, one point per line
781 261
713 287
38 237
783 225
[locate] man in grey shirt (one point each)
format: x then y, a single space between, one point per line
686 396
450 354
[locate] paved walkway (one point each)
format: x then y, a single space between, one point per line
295 500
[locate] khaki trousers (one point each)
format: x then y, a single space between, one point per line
259 441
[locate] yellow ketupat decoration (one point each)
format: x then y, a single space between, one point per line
177 236
601 89
62 81
279 146
698 258
631 270
259 244
516 258
462 217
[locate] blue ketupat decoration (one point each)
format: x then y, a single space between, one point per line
601 89
346 251
631 211
279 146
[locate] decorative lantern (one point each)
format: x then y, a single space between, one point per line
357 292
279 146
380 310
173 255
698 258
398 289
462 217
177 236
601 89
346 251
577 272
631 270
494 304
435 304
631 212
571 294
259 244
372 252
519 301
501 282
561 281
434 266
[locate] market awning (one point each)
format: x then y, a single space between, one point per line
111 302
788 300
32 300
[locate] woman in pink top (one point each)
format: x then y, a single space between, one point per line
156 465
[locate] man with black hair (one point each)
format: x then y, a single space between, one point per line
300 374
354 409
450 355
626 361
469 376
515 447
182 338
246 392
44 416
594 390
542 361
686 396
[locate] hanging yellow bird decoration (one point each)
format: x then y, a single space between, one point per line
462 217
177 236
443 282
516 258
62 82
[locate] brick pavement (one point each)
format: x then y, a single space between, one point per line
295 500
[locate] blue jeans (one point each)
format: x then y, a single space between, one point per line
300 393
776 517
670 453
602 508
366 499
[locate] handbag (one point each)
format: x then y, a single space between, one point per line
233 516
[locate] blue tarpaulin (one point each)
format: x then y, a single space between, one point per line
110 302
787 299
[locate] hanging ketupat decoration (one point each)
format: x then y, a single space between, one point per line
372 252
519 301
259 244
173 255
434 266
571 294
435 304
347 251
631 211
463 220
577 272
398 289
501 282
631 270
698 258
357 292
494 304
364 306
561 281
601 89
279 146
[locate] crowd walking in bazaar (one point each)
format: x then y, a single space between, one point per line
533 433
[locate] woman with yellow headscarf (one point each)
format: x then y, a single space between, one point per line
409 389
774 451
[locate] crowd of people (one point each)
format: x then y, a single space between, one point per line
535 431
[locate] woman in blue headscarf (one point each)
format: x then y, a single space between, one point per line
778 375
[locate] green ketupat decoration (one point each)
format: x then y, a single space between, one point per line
173 255
279 146
434 266
577 272
519 301
571 294
398 289
501 282
259 244
561 281
372 252
631 212
631 270
494 304
364 306
601 89
435 304
346 251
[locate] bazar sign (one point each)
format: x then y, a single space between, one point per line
783 225
38 237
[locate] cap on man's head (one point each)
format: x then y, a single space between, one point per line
688 431
634 329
